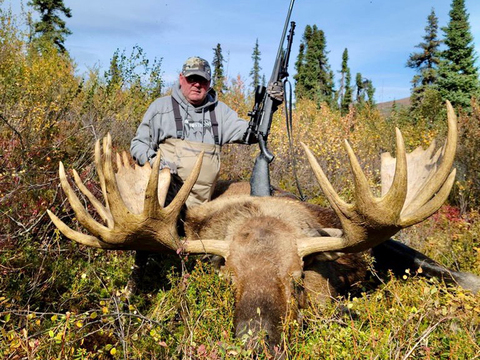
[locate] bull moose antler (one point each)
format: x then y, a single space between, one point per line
133 222
371 220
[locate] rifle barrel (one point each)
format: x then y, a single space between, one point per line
285 29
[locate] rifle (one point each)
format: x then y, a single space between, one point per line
262 114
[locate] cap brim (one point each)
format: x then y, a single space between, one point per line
203 74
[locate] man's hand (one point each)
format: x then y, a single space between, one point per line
275 91
168 164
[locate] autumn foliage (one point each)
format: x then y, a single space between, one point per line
61 300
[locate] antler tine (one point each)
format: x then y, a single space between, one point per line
126 162
122 160
99 167
207 246
431 206
167 235
119 210
387 209
79 237
397 194
152 205
340 206
102 210
363 195
119 161
392 203
176 205
82 215
433 185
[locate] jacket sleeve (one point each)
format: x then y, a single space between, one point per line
233 128
144 145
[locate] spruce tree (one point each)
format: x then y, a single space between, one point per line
360 96
425 62
345 91
218 77
51 27
301 89
299 77
115 74
458 75
317 63
314 78
370 90
365 91
255 72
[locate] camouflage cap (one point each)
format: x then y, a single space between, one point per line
195 65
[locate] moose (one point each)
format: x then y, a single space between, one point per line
279 251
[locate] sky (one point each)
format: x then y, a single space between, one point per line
379 34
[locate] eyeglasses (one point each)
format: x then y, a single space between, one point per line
193 79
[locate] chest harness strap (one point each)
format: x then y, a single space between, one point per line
179 121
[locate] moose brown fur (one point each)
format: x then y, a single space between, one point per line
263 260
277 250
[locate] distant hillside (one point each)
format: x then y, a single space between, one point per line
386 107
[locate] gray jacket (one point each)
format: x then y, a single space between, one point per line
158 124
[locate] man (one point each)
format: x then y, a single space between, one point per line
180 126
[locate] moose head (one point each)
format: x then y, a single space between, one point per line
271 246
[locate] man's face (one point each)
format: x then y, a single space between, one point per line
194 88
